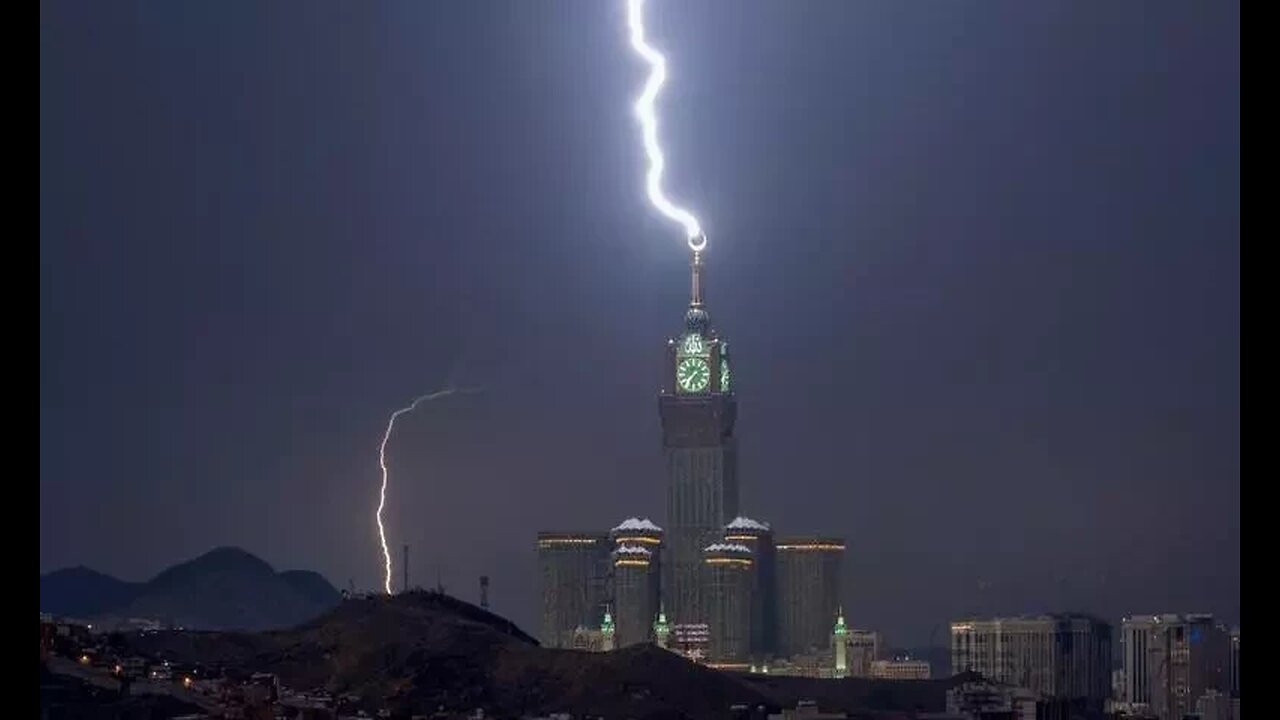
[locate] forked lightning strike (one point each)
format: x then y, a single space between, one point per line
382 462
649 128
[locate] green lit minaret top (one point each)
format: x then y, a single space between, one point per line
661 628
840 628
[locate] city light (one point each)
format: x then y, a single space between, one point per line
811 546
728 561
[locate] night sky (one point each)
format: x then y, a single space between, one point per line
978 262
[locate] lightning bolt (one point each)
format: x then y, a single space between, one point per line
649 128
382 462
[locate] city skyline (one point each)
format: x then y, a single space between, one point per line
993 344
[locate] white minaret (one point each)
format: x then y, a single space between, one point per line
840 645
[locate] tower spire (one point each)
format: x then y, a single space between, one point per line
695 296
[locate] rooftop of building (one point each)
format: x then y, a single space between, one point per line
632 550
1169 617
810 543
634 524
1057 617
743 522
731 548
549 539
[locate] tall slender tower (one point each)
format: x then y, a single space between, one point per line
698 410
840 645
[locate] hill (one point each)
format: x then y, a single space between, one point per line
224 589
416 652
83 593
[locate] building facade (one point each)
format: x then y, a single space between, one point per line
758 537
807 591
1171 661
1065 658
730 576
637 566
863 649
900 670
986 699
1135 653
698 411
635 593
574 571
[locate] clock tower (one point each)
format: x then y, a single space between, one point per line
698 410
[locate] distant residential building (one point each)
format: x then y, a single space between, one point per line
900 670
574 570
1214 705
1065 658
988 699
758 536
1170 661
819 664
730 581
585 638
808 592
806 710
1135 655
693 640
864 649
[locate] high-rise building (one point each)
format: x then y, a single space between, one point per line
807 591
1063 658
574 570
1213 705
698 411
1171 661
637 564
635 593
758 537
730 575
1135 656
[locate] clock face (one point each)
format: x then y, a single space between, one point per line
693 374
692 345
724 374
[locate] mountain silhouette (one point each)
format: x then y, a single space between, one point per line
417 652
81 592
225 589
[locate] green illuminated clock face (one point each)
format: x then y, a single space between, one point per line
692 345
693 374
724 374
